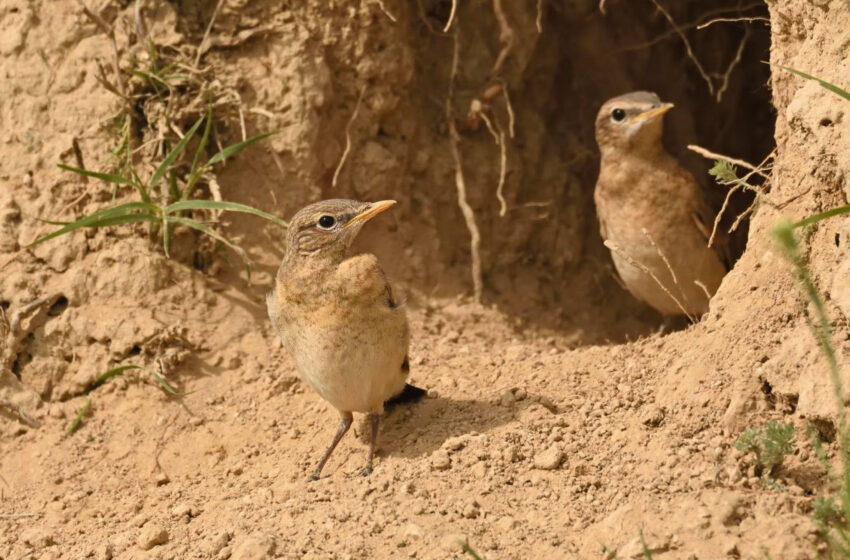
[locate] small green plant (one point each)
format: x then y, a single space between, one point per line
166 208
78 418
769 444
468 550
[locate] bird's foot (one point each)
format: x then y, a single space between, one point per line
314 477
367 470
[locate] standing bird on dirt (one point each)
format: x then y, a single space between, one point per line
651 212
338 319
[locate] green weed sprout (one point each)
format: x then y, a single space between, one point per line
165 208
770 444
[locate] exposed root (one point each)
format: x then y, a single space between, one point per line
510 110
602 7
506 37
460 183
743 215
384 9
617 249
688 49
348 137
539 20
734 161
719 20
451 17
735 62
503 171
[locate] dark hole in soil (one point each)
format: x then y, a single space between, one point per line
4 305
60 305
135 350
825 428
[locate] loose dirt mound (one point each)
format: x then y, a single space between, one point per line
541 438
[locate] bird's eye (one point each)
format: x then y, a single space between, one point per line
618 115
326 222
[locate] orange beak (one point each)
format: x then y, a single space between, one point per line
652 113
371 211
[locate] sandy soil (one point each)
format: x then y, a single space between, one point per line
558 422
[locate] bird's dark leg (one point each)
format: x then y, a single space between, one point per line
344 423
374 420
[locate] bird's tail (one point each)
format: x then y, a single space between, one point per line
409 394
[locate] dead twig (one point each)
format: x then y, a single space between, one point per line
506 37
719 215
348 137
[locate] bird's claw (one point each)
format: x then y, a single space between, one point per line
367 470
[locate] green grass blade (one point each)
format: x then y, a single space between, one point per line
109 178
831 87
124 213
75 423
172 155
197 168
645 549
102 378
822 216
221 205
236 148
468 550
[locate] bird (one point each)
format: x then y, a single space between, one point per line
338 318
651 212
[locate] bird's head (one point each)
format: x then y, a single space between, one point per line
328 227
633 121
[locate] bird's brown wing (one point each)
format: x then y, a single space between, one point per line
704 222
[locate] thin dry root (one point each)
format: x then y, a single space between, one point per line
451 17
503 171
17 411
711 155
460 183
735 61
468 215
688 49
539 20
719 215
202 46
616 248
348 137
386 11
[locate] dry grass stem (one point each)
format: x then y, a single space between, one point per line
703 288
348 137
602 7
202 46
109 31
451 17
711 155
385 10
689 50
19 515
23 416
616 248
